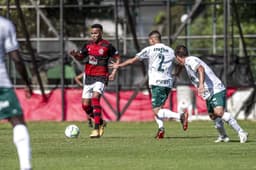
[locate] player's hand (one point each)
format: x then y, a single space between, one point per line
73 53
111 77
201 90
77 54
113 65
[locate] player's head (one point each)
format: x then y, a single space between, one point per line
96 32
154 37
180 53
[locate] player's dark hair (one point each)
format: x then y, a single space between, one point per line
181 51
97 26
156 34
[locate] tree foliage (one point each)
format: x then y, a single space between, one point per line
78 12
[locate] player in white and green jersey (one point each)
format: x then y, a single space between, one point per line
211 89
9 105
161 58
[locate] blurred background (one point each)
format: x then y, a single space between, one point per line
222 33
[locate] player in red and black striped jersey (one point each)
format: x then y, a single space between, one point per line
97 53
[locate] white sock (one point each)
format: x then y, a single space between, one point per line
159 122
219 125
227 117
21 140
168 114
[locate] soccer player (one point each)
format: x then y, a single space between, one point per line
97 52
9 106
212 90
160 58
81 84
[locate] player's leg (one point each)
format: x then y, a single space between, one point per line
157 103
21 140
86 103
159 96
168 114
99 123
13 113
219 125
219 104
212 105
90 123
160 123
227 117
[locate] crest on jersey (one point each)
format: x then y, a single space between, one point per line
101 51
92 60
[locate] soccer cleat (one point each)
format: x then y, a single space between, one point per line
243 137
160 133
101 129
184 120
95 134
222 139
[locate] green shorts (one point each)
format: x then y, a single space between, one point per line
9 104
159 95
218 99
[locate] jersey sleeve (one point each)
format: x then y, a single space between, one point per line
84 51
10 42
193 63
143 54
112 51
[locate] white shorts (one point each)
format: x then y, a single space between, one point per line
89 89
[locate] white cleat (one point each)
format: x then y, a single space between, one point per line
243 137
222 139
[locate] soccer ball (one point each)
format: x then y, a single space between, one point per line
72 131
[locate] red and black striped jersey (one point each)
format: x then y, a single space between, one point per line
98 56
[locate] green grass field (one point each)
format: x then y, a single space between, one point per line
131 146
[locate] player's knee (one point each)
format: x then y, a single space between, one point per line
85 106
226 116
16 120
218 112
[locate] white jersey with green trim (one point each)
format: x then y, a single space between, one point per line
212 83
160 58
8 43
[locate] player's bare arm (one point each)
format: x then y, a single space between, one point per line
200 71
113 73
78 79
20 67
116 65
